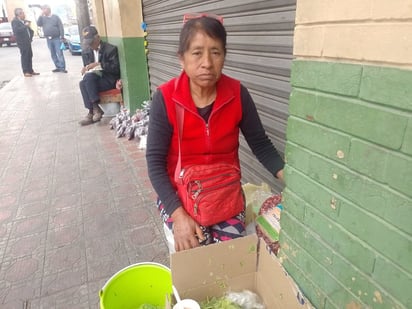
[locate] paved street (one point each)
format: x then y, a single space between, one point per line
76 205
10 60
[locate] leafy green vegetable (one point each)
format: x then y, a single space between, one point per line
218 303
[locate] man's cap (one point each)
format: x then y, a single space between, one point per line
45 6
88 35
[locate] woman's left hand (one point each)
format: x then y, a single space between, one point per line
186 231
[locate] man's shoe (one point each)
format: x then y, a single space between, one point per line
56 70
28 75
87 120
35 73
62 70
97 115
97 112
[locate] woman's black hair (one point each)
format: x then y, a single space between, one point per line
212 27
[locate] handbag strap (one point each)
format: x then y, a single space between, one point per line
180 115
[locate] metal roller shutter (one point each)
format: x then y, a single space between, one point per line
260 38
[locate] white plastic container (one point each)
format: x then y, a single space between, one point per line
110 109
187 304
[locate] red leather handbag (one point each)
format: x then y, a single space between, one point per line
210 193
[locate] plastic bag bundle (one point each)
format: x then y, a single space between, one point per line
132 126
120 122
142 124
116 121
130 131
245 299
121 129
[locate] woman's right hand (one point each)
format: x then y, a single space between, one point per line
279 174
186 231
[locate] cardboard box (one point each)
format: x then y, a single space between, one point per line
234 265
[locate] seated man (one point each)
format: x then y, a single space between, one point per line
100 72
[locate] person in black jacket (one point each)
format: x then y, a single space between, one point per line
24 37
101 71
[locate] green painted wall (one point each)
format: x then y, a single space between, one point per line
134 71
347 226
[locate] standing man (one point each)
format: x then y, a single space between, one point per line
54 32
24 37
101 71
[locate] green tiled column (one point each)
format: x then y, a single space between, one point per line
134 71
346 230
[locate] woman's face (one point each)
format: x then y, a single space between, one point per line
203 61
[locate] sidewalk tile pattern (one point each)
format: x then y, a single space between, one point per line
76 205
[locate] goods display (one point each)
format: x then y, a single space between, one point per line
268 222
236 265
236 274
132 126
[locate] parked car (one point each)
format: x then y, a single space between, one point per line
72 40
6 34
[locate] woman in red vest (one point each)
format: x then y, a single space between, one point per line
216 107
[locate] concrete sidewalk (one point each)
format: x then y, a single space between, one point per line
76 204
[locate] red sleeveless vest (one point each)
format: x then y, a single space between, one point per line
203 143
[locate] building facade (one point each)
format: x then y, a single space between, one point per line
331 80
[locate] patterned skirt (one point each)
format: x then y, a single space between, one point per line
226 230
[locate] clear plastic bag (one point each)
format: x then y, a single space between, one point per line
245 299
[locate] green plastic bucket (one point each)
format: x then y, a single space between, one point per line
136 285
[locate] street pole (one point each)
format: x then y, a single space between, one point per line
82 13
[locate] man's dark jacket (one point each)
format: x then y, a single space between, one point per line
109 61
23 33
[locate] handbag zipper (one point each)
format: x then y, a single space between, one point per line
200 187
196 194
